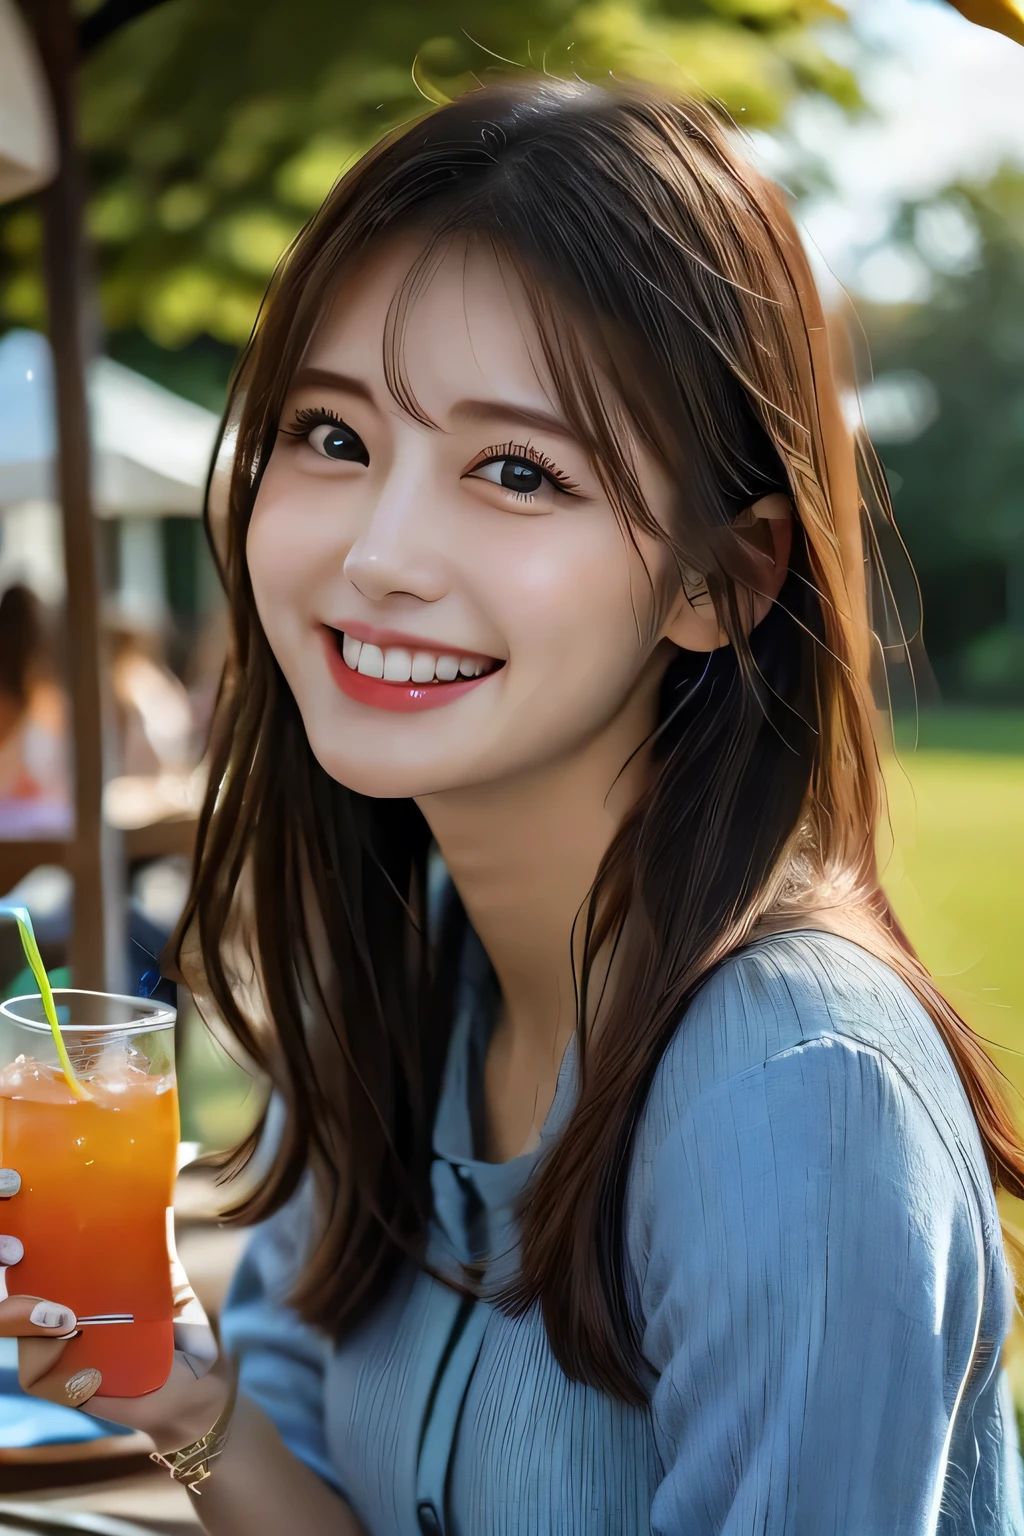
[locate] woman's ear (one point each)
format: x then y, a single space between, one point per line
766 527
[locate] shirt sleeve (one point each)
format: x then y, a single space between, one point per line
281 1359
811 1301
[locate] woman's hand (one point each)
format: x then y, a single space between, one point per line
27 1317
260 1487
178 1413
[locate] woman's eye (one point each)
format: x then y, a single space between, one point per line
523 471
516 475
513 475
333 441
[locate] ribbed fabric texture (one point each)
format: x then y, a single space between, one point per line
821 1291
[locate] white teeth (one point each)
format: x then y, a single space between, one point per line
371 660
397 664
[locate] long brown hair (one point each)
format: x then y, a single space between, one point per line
656 258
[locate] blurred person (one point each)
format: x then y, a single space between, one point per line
154 712
205 669
33 710
625 1172
159 748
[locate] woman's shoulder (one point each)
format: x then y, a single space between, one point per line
809 1206
796 992
806 1064
815 1023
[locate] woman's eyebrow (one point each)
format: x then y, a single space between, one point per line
326 378
484 411
478 411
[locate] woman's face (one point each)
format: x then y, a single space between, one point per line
451 604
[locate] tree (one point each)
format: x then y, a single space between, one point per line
959 483
215 127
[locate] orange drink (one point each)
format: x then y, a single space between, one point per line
97 1175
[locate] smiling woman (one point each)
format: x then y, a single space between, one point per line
624 1171
501 570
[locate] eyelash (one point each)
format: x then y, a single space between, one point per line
527 454
309 417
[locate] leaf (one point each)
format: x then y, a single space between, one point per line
998 15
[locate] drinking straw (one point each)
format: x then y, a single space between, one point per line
23 919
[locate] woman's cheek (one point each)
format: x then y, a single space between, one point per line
573 666
281 550
564 586
279 572
585 598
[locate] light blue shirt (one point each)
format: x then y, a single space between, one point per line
820 1288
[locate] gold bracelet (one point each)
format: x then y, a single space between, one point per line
191 1465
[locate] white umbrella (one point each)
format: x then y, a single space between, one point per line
28 150
151 448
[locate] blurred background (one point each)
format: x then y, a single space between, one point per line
192 138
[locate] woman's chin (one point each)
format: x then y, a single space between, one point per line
381 778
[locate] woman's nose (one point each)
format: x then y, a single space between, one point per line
398 550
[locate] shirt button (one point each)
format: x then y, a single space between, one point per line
430 1525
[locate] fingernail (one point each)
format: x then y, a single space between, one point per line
10 1182
46 1314
81 1386
12 1250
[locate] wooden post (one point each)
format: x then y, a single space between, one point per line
97 945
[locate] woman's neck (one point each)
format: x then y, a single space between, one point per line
523 855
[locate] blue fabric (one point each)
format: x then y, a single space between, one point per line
27 1421
813 1249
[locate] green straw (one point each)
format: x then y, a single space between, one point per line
35 961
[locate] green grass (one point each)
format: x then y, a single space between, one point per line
218 1100
954 873
978 732
954 869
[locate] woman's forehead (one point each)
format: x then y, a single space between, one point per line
452 321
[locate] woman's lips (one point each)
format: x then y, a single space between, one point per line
402 696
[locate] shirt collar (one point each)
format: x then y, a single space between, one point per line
497 1185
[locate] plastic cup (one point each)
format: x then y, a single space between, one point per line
97 1175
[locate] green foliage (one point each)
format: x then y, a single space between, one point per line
993 665
962 730
214 128
958 486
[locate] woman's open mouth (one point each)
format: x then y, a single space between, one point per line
402 678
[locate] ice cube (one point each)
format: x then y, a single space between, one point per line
26 1078
120 1064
